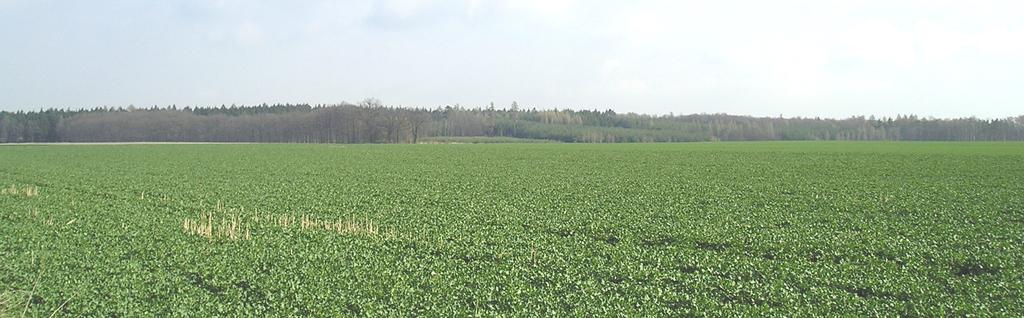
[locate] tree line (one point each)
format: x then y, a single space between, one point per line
372 122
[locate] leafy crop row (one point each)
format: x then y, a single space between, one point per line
913 229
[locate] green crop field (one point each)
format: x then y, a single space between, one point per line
774 228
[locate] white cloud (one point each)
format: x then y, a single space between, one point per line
641 26
878 42
1000 40
249 33
548 9
400 9
620 80
796 57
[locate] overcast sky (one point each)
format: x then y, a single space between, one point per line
794 58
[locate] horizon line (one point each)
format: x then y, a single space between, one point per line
42 109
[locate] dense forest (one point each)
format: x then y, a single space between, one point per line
372 122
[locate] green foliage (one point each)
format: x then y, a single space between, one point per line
715 229
372 122
481 140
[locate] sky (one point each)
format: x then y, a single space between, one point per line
791 58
